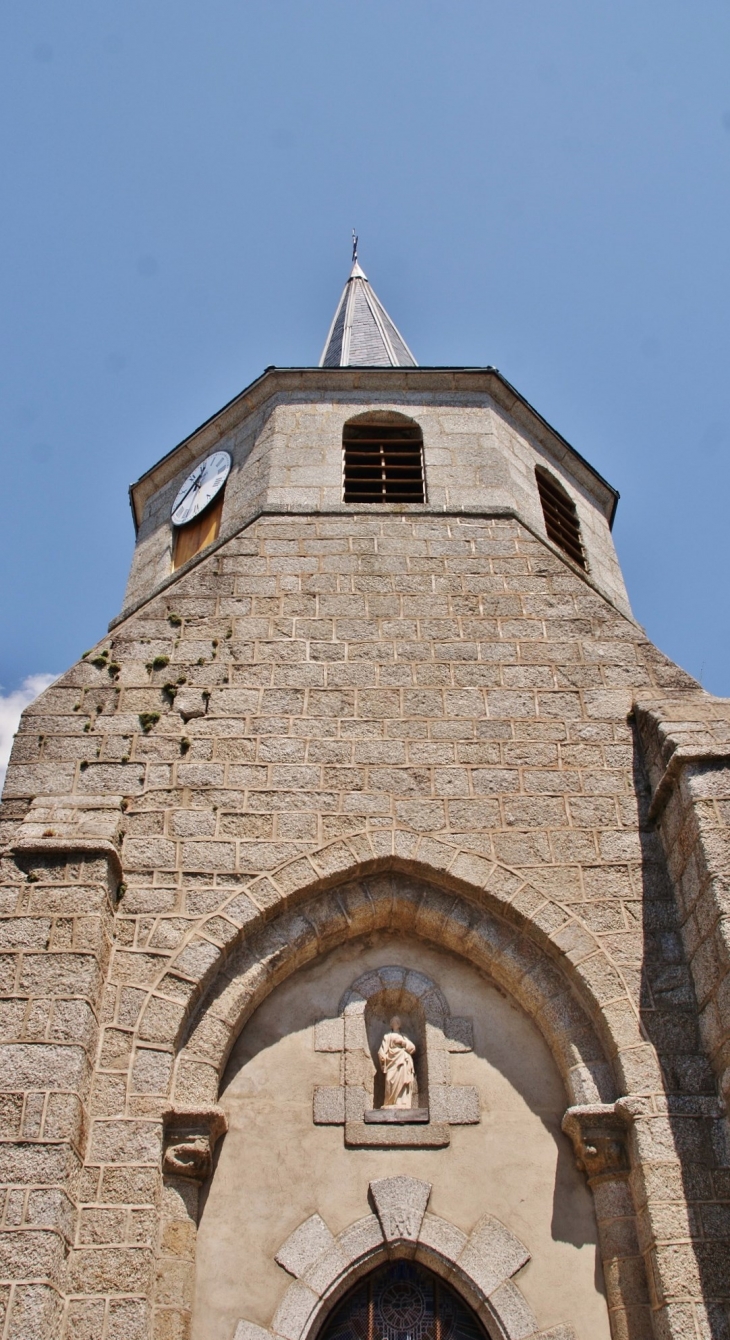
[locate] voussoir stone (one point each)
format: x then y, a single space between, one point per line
492 1254
442 1237
514 1312
361 1239
305 1246
400 1203
246 1330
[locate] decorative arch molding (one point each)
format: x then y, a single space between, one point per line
391 900
537 951
532 945
479 1265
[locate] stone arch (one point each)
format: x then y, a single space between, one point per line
527 943
532 945
385 900
479 1265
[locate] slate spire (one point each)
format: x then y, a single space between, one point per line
362 334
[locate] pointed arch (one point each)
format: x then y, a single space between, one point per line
392 900
535 948
480 1266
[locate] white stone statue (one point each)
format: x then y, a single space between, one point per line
395 1054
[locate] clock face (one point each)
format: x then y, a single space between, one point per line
200 487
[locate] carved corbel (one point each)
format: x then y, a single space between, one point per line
598 1132
190 1138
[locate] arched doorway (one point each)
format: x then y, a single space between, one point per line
402 1300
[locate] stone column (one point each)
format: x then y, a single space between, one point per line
57 902
190 1137
599 1136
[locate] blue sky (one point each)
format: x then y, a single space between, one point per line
545 187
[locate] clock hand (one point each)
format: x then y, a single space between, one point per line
195 485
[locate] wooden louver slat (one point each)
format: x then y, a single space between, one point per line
382 463
561 518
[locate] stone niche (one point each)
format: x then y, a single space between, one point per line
379 1010
356 1033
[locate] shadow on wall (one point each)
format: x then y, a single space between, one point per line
669 1016
508 1041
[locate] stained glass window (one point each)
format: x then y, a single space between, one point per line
402 1301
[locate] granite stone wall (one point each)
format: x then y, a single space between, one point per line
285 441
321 700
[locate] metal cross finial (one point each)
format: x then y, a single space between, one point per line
354 246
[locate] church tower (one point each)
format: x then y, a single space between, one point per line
364 899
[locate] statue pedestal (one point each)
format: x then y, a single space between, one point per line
399 1116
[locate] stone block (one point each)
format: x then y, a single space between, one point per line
441 1237
400 1203
294 1311
35 1311
438 1102
114 1269
85 1319
361 1239
151 1071
328 1107
245 1330
32 1252
459 1034
462 1105
305 1246
327 1270
355 1102
363 1135
126 1142
492 1254
35 1066
439 1061
329 1035
128 1319
514 1312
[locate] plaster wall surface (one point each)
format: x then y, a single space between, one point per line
276 1168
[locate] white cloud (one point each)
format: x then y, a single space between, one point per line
11 706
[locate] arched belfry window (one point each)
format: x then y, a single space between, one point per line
561 517
383 459
402 1301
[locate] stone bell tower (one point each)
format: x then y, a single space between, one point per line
364 899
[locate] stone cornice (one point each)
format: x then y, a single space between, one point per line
701 740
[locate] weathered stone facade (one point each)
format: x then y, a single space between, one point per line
335 730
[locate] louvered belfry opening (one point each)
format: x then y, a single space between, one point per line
561 518
383 462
